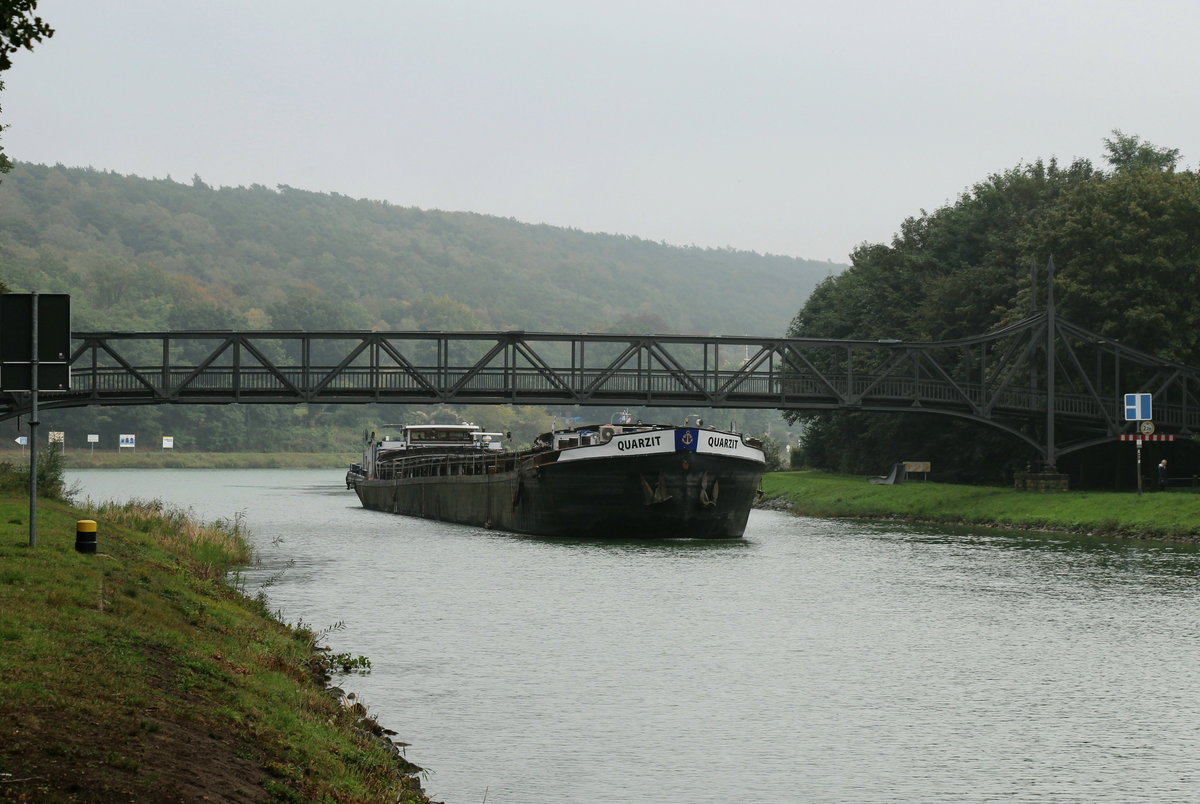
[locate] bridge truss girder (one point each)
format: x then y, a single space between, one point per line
1032 379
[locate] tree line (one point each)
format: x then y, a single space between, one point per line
157 254
1125 240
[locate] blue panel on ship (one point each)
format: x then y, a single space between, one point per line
686 438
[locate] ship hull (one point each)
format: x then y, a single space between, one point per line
658 496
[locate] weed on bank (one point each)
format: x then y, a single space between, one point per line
137 673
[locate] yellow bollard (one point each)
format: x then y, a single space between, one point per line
85 536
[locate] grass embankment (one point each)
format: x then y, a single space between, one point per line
138 674
168 459
1159 515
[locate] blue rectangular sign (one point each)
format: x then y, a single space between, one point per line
1138 408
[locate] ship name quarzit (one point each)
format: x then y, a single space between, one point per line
638 443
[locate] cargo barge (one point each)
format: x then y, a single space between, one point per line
622 480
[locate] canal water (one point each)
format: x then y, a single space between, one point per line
813 661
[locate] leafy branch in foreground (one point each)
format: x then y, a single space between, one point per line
326 661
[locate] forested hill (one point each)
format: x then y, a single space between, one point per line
140 254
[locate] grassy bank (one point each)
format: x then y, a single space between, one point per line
137 674
1159 515
169 459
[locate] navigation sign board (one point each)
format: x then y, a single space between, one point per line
168 442
54 327
19 376
53 341
1138 407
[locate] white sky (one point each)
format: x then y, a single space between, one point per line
790 127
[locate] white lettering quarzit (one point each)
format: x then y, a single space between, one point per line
731 445
638 443
666 441
645 443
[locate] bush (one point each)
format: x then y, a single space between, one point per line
51 476
773 451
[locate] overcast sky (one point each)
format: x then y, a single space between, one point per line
790 127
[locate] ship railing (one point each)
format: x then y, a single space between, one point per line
461 464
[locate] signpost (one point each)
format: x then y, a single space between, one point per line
93 439
1140 408
35 344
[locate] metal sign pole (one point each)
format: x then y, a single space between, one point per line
1139 465
1051 463
33 423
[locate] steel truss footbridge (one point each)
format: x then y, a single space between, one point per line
1047 382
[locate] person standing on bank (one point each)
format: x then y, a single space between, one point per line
1162 475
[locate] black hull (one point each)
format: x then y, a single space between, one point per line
681 495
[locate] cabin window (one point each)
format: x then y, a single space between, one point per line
426 436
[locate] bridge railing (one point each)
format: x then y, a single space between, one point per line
999 378
868 391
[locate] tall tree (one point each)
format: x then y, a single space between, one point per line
1125 244
1129 152
1128 256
